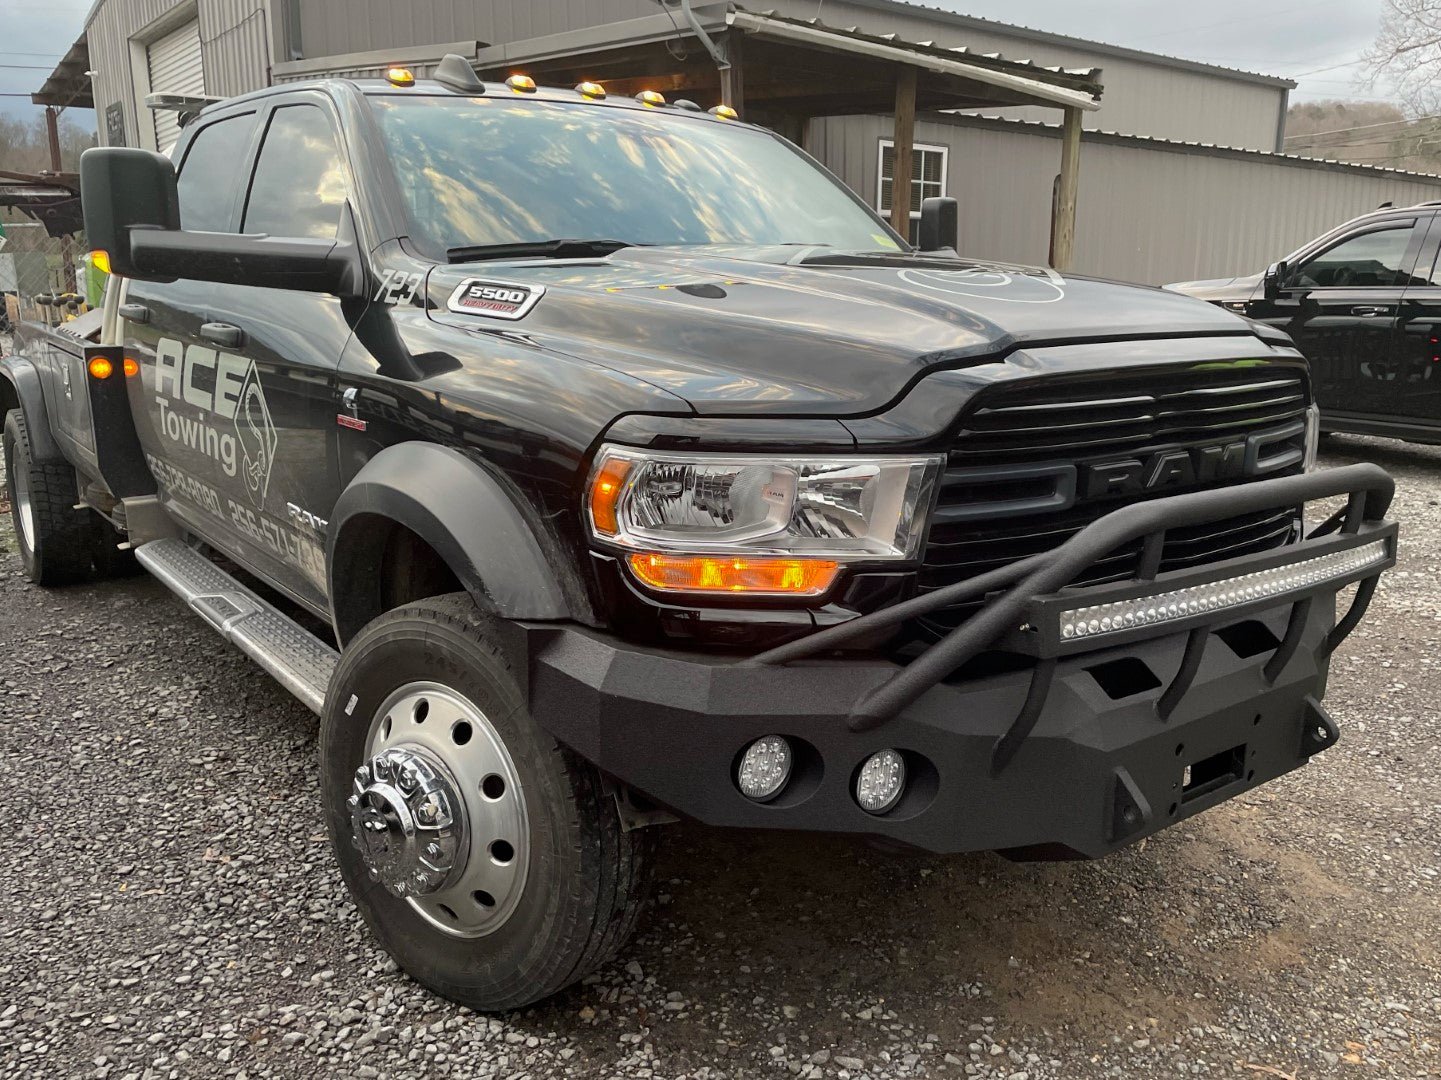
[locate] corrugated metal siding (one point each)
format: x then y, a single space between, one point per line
1154 100
334 27
234 43
1146 212
175 68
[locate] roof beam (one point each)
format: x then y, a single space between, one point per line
1039 92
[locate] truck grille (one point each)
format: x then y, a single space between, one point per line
1030 464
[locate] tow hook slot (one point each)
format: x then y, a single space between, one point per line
1318 732
1211 774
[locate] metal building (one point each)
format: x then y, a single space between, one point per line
1179 175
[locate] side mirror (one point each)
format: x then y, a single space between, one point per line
1274 278
132 212
123 189
940 225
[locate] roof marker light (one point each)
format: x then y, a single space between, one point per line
650 97
725 112
521 84
400 76
592 90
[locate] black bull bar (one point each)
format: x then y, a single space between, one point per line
1026 617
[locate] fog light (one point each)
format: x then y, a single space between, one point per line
880 782
765 767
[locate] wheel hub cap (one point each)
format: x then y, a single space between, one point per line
408 822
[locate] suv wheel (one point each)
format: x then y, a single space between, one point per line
53 537
486 857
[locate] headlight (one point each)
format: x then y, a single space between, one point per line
783 524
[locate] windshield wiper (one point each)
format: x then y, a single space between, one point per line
545 249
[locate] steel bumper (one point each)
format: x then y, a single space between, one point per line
1095 744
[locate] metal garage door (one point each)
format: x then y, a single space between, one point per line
175 68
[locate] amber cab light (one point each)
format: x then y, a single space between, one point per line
400 76
101 367
734 574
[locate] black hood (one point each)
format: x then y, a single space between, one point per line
804 331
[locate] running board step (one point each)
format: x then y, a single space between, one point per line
298 660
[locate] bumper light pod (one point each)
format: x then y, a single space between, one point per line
765 767
881 781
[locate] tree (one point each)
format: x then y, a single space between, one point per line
1408 53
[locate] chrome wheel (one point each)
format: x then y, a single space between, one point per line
437 811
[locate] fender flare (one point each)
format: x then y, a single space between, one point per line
467 516
24 382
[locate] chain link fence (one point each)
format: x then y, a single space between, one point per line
44 278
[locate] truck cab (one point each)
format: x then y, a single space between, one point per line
590 462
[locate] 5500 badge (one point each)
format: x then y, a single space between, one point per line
494 299
232 424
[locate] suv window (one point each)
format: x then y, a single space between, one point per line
1375 258
209 177
299 185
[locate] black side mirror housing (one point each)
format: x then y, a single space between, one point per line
121 189
132 212
940 225
1274 278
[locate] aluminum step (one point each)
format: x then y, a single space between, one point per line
299 660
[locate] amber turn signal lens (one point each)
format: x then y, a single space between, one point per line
101 368
605 489
399 76
132 369
101 261
733 574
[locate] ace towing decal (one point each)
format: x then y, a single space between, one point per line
494 299
229 421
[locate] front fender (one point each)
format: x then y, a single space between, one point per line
467 516
22 382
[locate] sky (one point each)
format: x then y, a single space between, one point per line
1317 43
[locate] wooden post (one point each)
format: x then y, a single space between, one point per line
732 79
52 135
1063 227
904 139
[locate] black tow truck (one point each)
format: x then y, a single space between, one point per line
587 463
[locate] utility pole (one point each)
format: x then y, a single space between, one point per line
67 250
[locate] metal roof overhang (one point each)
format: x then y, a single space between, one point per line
68 85
793 67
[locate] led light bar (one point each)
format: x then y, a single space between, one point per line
1086 622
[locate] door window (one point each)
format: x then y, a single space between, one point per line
299 186
1377 258
209 178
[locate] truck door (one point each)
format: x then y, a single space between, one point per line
288 479
188 442
245 376
1341 304
1417 353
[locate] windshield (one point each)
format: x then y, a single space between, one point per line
477 171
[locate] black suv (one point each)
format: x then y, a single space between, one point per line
1363 302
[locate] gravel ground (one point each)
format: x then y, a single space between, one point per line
171 908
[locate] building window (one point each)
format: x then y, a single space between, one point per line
928 180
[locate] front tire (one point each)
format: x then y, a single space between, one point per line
53 537
487 858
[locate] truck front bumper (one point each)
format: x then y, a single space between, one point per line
1108 735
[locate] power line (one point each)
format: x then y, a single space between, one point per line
1366 127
